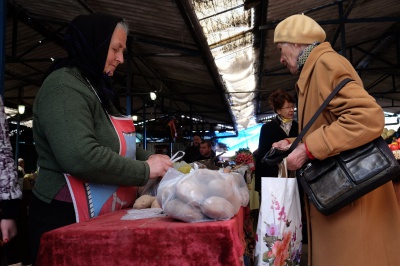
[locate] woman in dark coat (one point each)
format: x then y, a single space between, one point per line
280 127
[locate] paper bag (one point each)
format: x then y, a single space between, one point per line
279 229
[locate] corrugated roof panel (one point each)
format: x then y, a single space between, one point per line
170 51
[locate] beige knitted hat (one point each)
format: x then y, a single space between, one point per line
299 29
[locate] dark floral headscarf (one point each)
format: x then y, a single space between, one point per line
87 41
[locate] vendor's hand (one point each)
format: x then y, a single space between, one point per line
8 229
297 157
159 164
281 145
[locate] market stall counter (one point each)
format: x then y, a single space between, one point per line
108 240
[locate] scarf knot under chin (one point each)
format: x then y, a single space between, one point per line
286 124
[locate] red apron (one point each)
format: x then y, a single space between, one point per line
91 200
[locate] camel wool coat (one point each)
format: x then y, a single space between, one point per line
367 231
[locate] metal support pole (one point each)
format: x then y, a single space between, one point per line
342 28
144 126
128 81
18 127
17 140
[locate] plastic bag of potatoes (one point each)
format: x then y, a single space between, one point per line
202 195
146 195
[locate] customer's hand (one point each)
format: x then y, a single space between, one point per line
159 164
281 145
8 229
297 157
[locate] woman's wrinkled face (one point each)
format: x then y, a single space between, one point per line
115 51
287 110
289 54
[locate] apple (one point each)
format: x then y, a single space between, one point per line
394 147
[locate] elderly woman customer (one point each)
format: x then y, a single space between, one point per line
87 156
282 126
366 232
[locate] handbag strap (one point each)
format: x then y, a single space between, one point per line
318 112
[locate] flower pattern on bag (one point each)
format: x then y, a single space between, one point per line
280 245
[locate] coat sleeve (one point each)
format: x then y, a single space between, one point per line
351 119
10 192
264 143
66 118
142 154
9 188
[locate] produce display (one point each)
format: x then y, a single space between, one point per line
393 141
387 134
394 145
396 154
146 201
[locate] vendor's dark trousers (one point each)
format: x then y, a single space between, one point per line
45 217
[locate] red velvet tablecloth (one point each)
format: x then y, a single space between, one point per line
108 240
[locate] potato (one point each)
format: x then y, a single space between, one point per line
217 208
236 200
220 188
143 202
244 192
180 210
239 180
191 192
155 204
205 175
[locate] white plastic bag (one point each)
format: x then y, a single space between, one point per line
202 195
279 229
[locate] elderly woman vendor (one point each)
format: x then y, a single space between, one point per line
366 232
87 156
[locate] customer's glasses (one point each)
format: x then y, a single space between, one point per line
289 107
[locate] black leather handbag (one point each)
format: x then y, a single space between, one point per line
275 156
337 181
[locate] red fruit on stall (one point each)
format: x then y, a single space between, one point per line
394 146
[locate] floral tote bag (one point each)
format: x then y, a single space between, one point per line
279 229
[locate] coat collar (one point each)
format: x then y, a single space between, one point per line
310 64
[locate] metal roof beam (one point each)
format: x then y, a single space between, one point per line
271 25
161 43
191 20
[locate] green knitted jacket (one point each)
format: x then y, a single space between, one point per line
73 134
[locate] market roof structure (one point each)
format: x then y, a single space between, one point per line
211 63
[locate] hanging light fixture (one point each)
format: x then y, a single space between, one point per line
153 96
21 109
